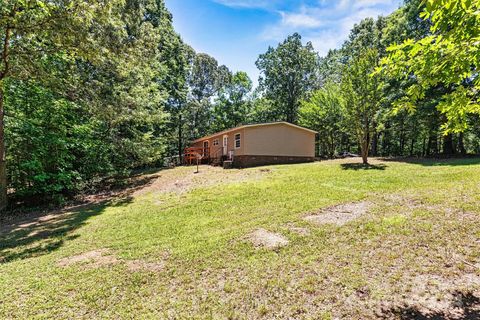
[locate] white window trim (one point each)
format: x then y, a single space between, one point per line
235 140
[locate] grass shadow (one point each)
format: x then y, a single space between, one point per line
27 235
36 236
360 166
430 162
467 307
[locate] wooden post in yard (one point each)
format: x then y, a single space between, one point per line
198 159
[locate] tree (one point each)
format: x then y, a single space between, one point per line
324 113
232 106
288 74
79 116
177 60
33 31
365 35
203 84
330 67
362 92
448 57
263 109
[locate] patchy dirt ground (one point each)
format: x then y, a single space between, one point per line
299 230
104 258
412 252
262 238
436 297
184 179
92 259
140 265
179 180
340 214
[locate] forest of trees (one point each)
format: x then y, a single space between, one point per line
90 90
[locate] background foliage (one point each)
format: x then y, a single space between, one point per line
95 89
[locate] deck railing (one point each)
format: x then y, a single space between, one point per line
204 155
193 154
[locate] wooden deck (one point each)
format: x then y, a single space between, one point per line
204 155
193 154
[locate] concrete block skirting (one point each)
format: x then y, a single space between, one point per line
245 161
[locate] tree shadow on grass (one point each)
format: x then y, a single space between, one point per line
445 161
35 234
360 166
466 307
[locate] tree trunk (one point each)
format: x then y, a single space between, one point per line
375 143
385 141
412 145
448 144
402 140
461 144
180 126
332 145
3 75
364 145
432 143
424 144
3 164
365 152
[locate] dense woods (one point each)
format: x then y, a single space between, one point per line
90 90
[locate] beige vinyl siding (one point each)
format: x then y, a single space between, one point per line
278 140
231 142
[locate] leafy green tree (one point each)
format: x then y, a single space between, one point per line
177 106
362 91
176 59
232 106
324 113
86 103
33 31
330 67
288 75
365 35
203 84
263 109
448 57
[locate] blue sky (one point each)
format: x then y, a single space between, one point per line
235 32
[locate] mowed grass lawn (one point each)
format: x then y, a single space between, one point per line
181 250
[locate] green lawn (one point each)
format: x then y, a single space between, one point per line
420 238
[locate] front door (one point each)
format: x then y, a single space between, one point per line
225 145
206 152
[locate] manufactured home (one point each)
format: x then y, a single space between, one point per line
255 145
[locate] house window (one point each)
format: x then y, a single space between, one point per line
215 142
237 141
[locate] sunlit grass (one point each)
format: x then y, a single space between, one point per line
212 272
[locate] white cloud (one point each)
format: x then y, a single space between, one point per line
300 20
327 23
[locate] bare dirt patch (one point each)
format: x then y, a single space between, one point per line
262 238
94 259
340 214
183 179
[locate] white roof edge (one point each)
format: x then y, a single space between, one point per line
253 125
